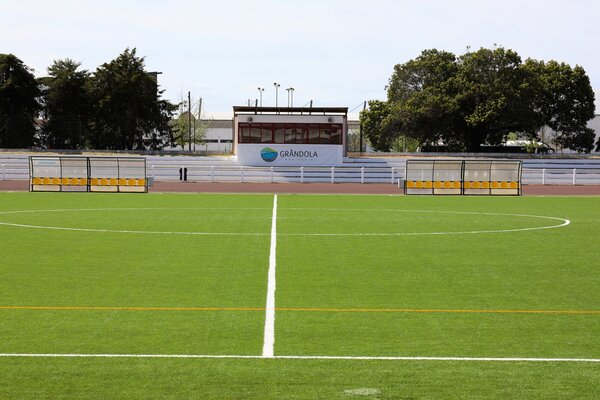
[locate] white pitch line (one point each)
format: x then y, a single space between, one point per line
50 210
58 228
269 336
564 223
348 358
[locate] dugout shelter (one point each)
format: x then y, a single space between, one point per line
87 174
463 177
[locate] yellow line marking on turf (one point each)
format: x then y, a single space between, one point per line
333 310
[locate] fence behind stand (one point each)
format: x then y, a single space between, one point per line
538 172
234 173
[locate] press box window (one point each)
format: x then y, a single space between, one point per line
313 134
295 135
279 133
255 134
336 134
290 133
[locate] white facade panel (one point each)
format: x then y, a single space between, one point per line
264 155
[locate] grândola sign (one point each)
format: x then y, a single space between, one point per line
290 155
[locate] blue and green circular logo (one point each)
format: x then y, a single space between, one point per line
268 154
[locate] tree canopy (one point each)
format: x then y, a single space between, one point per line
373 123
480 98
118 107
187 130
67 106
128 112
19 105
564 102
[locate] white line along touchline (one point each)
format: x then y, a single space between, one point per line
269 338
350 358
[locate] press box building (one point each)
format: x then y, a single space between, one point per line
290 136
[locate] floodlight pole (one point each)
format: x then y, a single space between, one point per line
190 121
277 85
199 120
360 127
260 93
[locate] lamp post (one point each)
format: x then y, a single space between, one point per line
360 130
277 85
290 91
260 92
190 121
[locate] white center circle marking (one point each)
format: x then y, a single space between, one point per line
560 222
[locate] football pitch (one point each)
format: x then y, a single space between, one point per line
212 296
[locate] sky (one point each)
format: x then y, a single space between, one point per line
334 52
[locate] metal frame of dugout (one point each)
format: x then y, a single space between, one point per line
87 174
463 177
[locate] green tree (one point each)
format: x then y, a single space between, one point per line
433 68
189 128
375 128
482 96
421 97
19 105
128 111
563 101
405 144
493 97
67 106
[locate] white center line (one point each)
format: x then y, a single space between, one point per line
292 357
269 337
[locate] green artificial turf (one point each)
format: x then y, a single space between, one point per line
293 379
356 276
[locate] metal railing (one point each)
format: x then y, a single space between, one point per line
232 173
18 169
345 174
14 171
562 176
